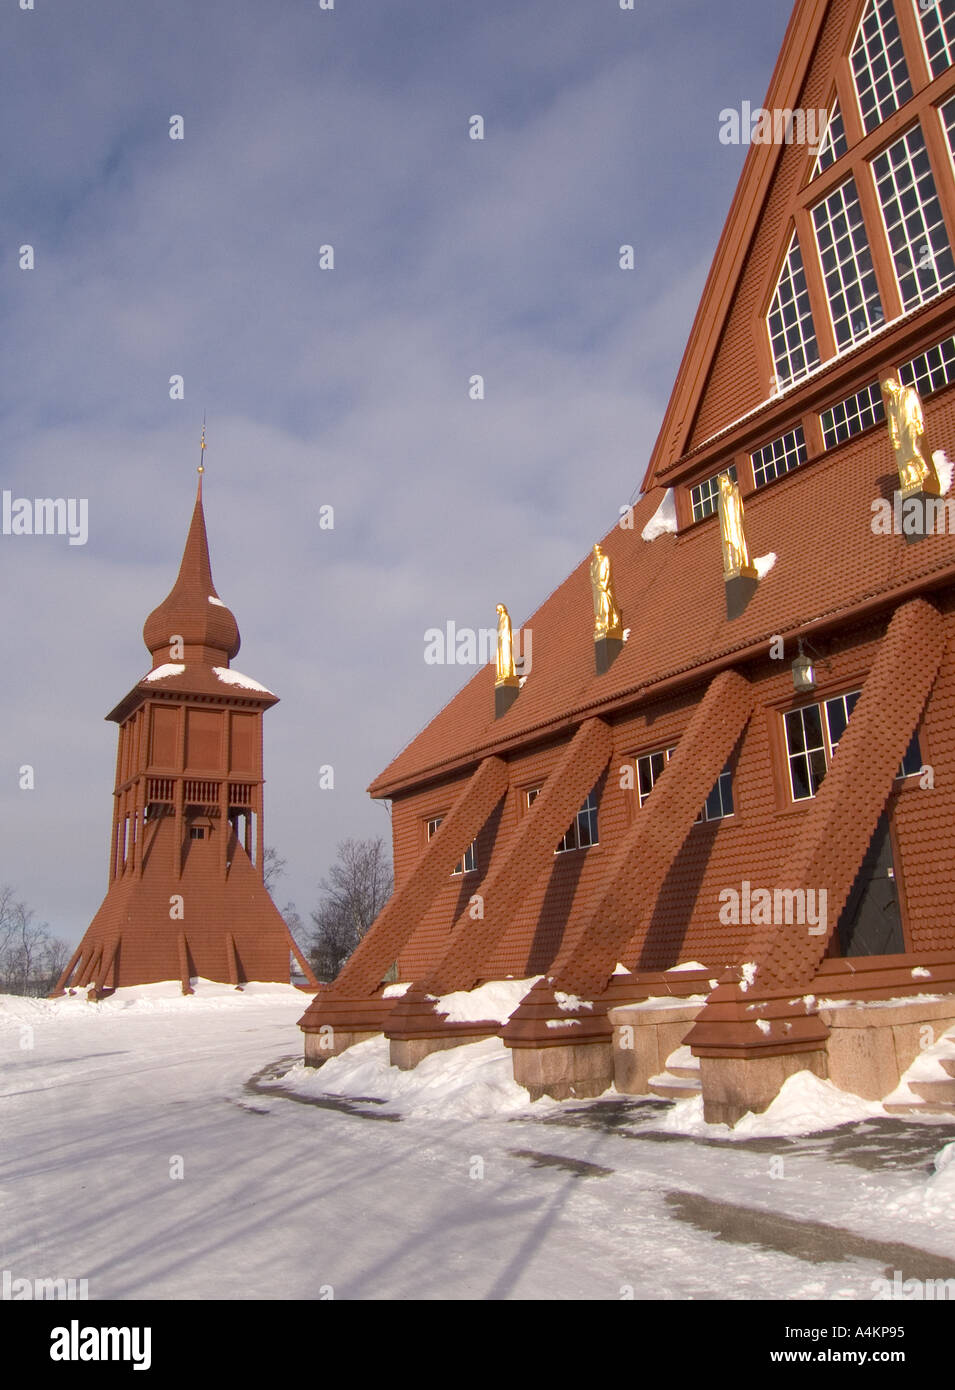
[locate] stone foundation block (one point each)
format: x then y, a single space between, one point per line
319 1047
871 1045
406 1053
576 1071
734 1085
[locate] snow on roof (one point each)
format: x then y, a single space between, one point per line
230 677
495 1001
663 521
171 668
217 601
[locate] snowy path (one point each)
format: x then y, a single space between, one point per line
282 1197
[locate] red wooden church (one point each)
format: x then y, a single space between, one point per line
758 784
186 896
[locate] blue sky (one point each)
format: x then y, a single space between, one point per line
199 257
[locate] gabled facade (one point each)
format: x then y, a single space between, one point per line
186 896
702 799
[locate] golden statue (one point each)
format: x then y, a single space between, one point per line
506 671
736 559
608 621
913 458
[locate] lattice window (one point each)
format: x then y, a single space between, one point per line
792 336
834 143
937 18
913 219
705 496
468 864
814 732
931 370
853 415
582 831
878 64
853 294
779 457
719 803
649 768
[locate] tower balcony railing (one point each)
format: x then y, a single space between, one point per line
240 793
200 793
160 789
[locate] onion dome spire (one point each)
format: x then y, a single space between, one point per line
192 610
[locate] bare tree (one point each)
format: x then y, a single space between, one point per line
273 867
358 885
31 957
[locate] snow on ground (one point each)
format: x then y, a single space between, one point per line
171 1147
926 1067
477 1080
805 1105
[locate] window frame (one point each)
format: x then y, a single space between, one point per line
590 812
828 748
718 788
924 241
899 94
807 346
462 867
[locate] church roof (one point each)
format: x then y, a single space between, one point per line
829 566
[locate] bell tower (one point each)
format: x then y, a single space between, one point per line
186 895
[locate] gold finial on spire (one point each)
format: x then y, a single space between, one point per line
202 444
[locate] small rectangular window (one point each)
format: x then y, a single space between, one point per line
197 832
814 732
582 831
705 495
912 762
781 456
468 864
932 369
719 803
853 415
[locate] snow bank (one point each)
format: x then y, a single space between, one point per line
805 1105
460 1083
495 1001
165 997
926 1067
934 1197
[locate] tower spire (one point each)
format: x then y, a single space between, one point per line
192 610
202 452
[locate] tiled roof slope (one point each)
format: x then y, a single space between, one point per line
817 520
